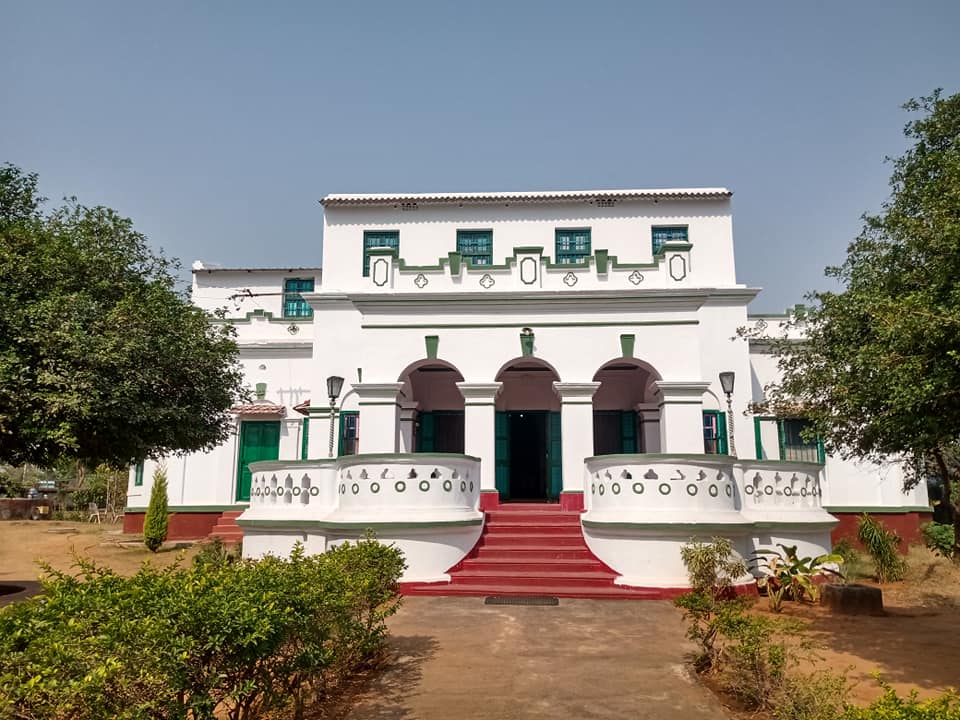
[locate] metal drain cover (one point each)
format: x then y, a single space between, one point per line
521 600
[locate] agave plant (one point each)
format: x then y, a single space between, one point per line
788 575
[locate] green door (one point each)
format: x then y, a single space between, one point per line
554 457
501 433
259 440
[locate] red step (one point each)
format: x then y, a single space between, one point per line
227 529
533 549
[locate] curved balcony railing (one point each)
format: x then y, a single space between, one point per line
706 489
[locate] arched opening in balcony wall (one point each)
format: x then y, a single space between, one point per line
527 431
626 418
431 414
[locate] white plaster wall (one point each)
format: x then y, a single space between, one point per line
221 288
429 233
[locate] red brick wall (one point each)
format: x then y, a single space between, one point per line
906 525
182 526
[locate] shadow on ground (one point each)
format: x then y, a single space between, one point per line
382 693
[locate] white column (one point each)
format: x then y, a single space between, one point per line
649 418
320 432
408 418
379 426
576 426
478 437
681 416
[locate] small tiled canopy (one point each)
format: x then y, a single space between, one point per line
259 409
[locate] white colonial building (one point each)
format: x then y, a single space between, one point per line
526 395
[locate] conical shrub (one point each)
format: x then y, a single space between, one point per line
156 520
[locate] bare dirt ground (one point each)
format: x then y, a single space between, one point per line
912 646
25 542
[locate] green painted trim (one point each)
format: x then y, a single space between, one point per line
571 492
432 343
603 261
576 402
193 508
455 259
381 252
262 465
680 402
377 403
360 526
816 525
527 250
479 404
876 510
305 438
471 326
412 457
627 344
258 313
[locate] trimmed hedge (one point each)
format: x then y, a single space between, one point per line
220 638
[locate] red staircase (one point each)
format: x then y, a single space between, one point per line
227 529
532 549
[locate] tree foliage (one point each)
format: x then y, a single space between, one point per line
157 518
102 359
878 374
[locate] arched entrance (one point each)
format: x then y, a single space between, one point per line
434 407
625 415
527 430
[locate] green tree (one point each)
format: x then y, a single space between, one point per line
879 371
157 518
102 359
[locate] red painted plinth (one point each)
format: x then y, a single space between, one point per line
571 501
182 526
905 524
489 500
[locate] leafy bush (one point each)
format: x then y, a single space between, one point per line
818 696
157 518
223 638
712 567
789 575
853 562
882 544
891 706
938 537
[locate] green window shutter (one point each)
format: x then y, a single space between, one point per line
138 474
572 245
294 306
501 433
554 457
305 438
673 233
349 436
714 432
379 238
475 246
426 437
259 440
628 431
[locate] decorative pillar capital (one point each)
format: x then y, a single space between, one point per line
378 393
576 393
479 393
681 392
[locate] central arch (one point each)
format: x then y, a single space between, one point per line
527 431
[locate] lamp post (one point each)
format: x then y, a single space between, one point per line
726 382
334 386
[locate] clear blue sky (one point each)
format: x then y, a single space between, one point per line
217 126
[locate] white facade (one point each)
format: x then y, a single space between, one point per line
516 376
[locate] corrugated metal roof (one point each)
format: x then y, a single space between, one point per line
526 197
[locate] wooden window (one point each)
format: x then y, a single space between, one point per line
672 233
714 432
349 433
138 474
379 239
792 444
573 245
294 306
475 246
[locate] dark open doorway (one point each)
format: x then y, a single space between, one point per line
528 455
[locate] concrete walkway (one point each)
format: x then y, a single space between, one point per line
457 658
